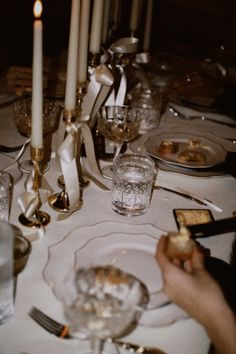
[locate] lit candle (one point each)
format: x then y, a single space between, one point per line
148 25
72 61
96 27
106 17
134 16
37 79
83 41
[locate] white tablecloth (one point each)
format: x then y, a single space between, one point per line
22 335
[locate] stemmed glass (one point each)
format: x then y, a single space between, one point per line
23 121
103 302
119 124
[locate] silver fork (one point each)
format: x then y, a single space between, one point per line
63 331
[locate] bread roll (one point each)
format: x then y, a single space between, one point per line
180 245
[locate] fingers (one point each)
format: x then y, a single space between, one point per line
197 261
160 255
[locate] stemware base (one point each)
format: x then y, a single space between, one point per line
60 203
40 218
26 166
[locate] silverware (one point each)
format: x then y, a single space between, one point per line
190 196
63 331
201 117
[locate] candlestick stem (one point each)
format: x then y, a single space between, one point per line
39 218
60 201
81 92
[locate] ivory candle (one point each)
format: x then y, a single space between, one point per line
106 17
134 15
96 27
115 13
83 41
37 79
72 61
148 26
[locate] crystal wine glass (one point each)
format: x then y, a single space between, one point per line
103 302
119 124
23 122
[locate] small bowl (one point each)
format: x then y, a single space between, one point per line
23 119
22 250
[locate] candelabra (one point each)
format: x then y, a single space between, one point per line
38 218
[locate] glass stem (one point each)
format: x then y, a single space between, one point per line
117 151
96 345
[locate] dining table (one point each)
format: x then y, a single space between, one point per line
96 225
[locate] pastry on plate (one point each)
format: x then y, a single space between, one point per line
192 156
168 147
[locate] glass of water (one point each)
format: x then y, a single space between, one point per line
133 177
6 271
6 184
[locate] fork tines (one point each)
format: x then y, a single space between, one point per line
49 324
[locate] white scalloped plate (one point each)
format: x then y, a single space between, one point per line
214 153
127 246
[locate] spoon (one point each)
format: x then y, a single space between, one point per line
201 117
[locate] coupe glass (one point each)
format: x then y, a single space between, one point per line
103 302
23 121
119 124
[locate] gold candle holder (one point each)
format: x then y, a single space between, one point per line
39 218
60 201
81 92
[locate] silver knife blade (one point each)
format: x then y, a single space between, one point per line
190 196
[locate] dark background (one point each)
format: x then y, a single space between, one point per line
192 28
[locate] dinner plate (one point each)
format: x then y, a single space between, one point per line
130 247
214 153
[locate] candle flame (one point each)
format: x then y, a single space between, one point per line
38 8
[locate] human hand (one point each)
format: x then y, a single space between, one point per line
189 285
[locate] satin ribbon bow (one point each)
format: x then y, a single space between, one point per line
67 156
31 200
101 81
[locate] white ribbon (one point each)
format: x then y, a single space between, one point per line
31 200
66 152
101 81
119 98
68 160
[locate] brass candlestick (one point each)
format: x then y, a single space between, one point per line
81 92
39 218
60 201
83 180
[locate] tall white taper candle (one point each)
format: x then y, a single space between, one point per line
106 19
37 80
148 26
134 15
72 61
96 27
83 41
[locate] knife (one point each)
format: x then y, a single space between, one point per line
188 195
213 228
